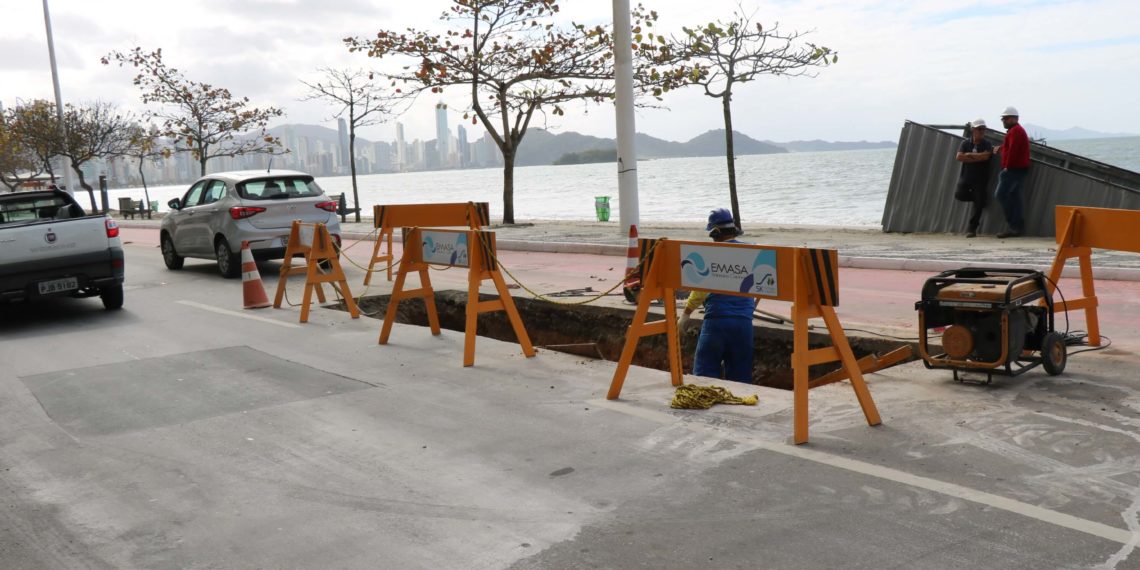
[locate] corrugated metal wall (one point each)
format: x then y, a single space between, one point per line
921 195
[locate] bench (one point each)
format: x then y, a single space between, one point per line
128 207
342 208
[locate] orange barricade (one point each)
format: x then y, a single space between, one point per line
474 215
314 243
455 248
1079 229
808 278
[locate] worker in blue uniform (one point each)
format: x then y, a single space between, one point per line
724 348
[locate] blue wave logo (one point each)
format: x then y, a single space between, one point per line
459 254
429 246
694 269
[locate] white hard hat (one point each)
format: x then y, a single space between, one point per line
978 123
1010 112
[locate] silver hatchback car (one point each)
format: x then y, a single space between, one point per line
222 210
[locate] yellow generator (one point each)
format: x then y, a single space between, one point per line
993 321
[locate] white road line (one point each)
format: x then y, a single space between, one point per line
222 311
1100 530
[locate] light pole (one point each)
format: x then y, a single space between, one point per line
67 179
626 129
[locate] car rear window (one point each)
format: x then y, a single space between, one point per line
38 207
279 188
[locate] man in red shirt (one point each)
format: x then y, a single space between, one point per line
1014 153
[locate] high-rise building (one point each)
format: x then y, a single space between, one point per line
442 135
401 148
463 149
383 153
342 137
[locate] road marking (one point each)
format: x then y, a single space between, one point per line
222 311
886 473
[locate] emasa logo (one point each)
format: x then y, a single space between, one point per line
694 268
762 278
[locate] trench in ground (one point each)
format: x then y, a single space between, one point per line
599 332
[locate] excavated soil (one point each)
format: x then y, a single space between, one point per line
599 332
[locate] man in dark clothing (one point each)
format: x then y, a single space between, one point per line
1014 153
974 154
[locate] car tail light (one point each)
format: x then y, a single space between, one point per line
112 228
243 212
329 206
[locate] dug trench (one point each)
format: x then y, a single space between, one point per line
599 332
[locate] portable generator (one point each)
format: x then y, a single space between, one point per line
996 321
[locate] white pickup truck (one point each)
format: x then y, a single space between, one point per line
50 247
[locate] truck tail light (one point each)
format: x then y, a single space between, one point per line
243 212
329 206
112 228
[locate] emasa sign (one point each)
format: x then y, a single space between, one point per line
445 248
729 269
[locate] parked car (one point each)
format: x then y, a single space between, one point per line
49 247
222 210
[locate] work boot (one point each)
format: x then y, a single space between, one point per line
1009 234
971 234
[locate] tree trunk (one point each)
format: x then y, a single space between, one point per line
83 184
508 185
730 154
352 167
202 162
142 177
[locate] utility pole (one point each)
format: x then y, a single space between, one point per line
626 129
67 176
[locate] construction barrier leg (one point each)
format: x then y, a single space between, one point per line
847 357
631 339
800 380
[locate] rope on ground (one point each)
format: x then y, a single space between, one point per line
541 297
694 397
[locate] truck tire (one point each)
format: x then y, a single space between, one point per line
169 256
112 297
229 264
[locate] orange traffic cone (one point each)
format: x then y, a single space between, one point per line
252 290
632 275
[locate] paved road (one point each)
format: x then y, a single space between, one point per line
183 432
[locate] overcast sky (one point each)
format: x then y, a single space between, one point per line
1062 63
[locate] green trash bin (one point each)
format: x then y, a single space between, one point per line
602 206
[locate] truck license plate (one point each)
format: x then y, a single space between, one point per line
58 285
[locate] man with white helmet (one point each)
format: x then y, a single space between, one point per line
1014 153
974 153
724 348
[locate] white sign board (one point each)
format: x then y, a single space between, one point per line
729 269
445 248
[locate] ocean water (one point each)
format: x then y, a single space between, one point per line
847 188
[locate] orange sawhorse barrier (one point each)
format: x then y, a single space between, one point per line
1079 229
386 218
808 278
454 248
314 243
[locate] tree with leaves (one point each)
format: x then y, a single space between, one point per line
202 119
18 161
719 55
516 60
145 142
359 101
35 128
95 130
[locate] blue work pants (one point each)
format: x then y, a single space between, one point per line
1008 194
724 349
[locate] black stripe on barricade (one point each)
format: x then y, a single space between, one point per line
824 277
832 282
483 211
645 248
485 238
378 213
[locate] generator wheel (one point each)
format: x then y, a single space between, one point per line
1053 354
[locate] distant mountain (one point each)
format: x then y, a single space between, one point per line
818 145
1072 133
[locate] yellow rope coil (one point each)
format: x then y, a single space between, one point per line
694 397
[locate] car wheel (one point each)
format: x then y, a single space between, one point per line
169 256
229 264
112 297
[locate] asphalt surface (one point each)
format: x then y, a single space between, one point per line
185 432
